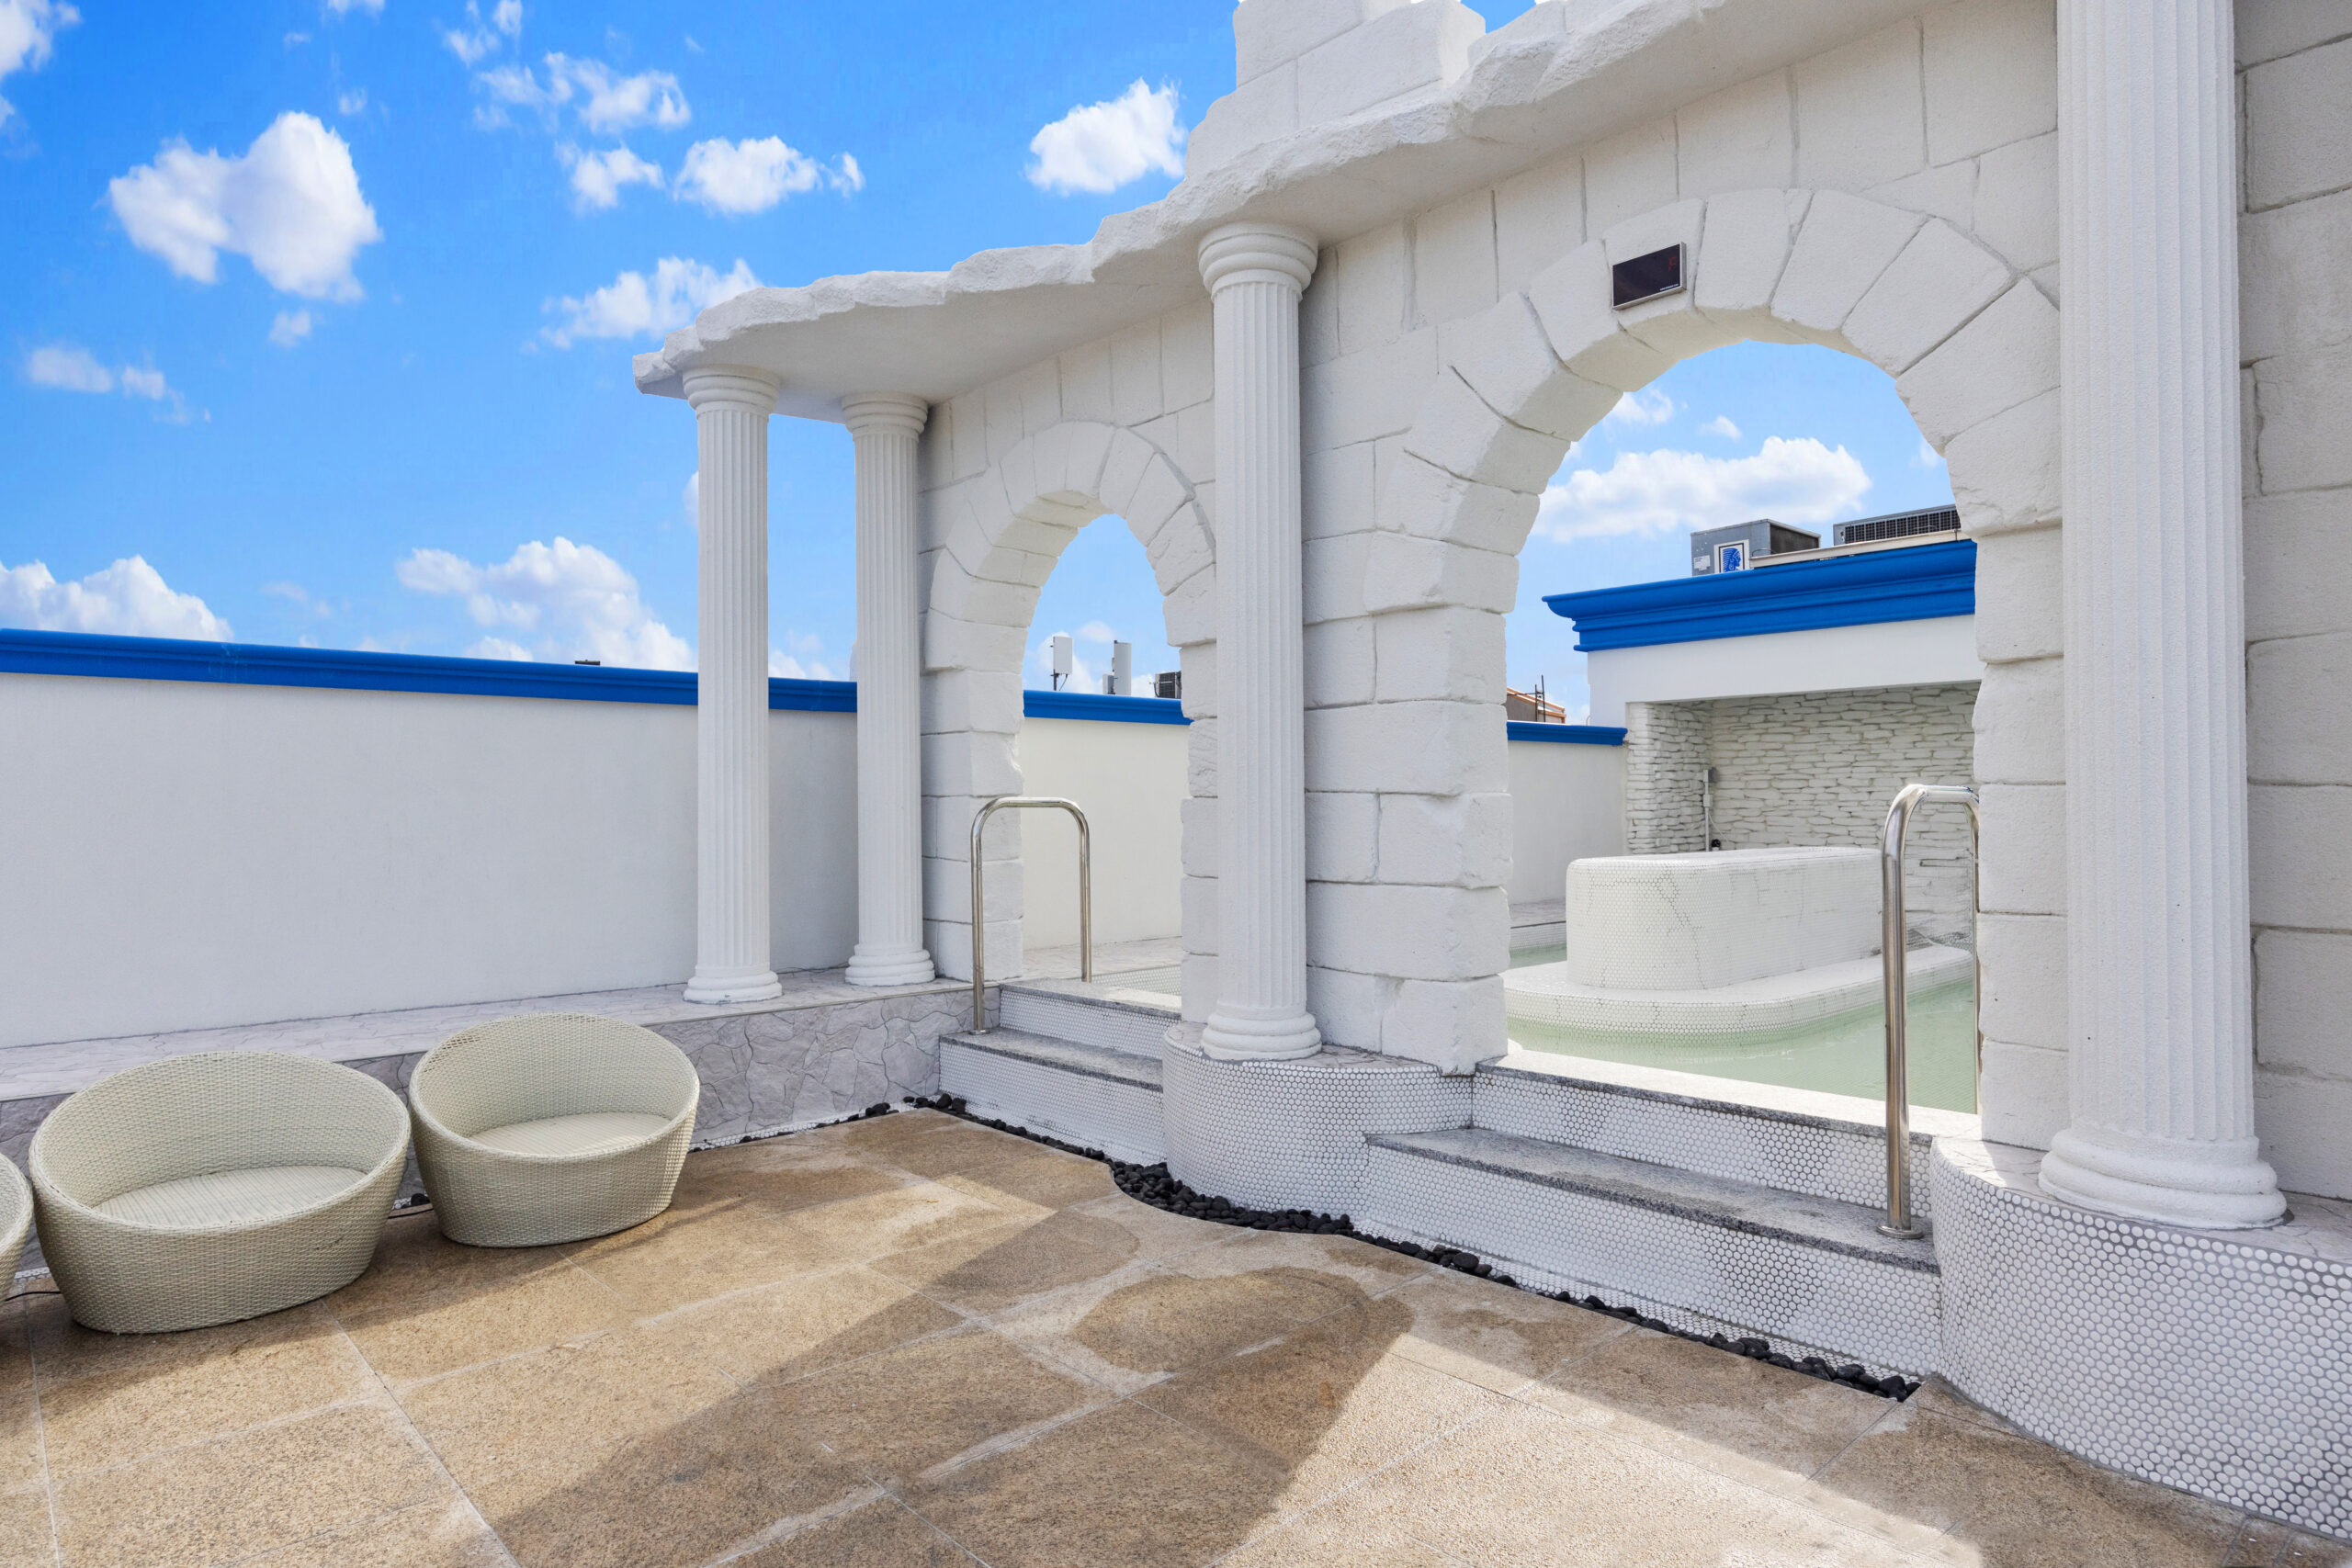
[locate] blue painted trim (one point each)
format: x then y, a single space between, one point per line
1102 706
1565 734
1921 582
252 664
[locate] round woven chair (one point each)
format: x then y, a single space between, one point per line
16 1220
205 1188
552 1127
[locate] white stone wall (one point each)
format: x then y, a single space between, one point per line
2296 338
1822 767
1665 772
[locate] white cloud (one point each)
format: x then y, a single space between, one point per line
739 177
785 666
479 38
1100 147
294 593
1654 493
597 177
147 383
350 103
1095 631
291 204
1650 407
580 602
345 7
128 599
290 328
604 102
1720 425
68 368
29 30
1927 456
635 306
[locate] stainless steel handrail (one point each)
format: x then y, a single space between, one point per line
1085 896
1894 940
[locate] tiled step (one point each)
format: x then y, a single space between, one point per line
1821 1145
1696 1251
1086 1094
1059 1009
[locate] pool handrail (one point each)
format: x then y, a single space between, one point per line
1893 950
1085 895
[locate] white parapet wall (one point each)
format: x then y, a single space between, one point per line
1129 780
1567 802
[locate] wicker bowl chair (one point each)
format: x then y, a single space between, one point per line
16 1220
205 1188
552 1127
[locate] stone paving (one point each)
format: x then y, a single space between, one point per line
915 1341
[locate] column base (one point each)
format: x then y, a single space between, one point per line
2223 1185
718 986
890 966
1227 1038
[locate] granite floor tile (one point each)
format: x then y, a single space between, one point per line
862 1230
25 1537
413 1259
1743 1418
1493 1335
1350 1269
987 1271
20 1444
107 1398
1047 1176
238 1497
883 1534
443 1532
1329 1537
905 1411
779 1175
2016 1503
431 1335
1120 1487
17 1337
777 1333
928 1143
1131 1328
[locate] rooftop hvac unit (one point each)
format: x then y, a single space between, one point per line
1898 526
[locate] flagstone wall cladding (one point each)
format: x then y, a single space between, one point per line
1895 198
1665 767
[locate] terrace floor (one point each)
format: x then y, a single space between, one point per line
915 1341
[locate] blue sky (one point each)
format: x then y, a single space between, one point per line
318 315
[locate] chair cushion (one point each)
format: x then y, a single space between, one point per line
597 1133
230 1198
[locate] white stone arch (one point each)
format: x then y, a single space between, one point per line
1972 345
1002 533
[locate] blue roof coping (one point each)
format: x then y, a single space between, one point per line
1915 583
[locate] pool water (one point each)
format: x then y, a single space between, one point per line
1846 1055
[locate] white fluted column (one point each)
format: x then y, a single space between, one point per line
1255 273
732 961
885 426
2158 954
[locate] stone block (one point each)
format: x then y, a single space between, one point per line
1001 400
972 763
1347 1006
1446 654
1200 986
2025 849
1408 933
986 700
1342 836
1571 297
1844 246
1737 138
1018 470
1457 431
1538 218
2007 354
1263 110
1086 381
1050 452
1189 610
2298 838
2016 201
2004 476
967 427
1339 663
1362 397
1179 546
2297 143
2298 564
1375 270
2296 291
1158 491
1198 663
1628 173
1453 258
1941 280
1408 48
952 644
1336 491
2269 29
947 885
1124 466
1319 311
1991 76
1404 573
1859 115
2305 405
2301 1121
2295 708
1428 502
1742 252
1948 192
1333 577
1187 356
2021 723
1197 901
2020 608
2303 995
1270 33
1196 836
1406 748
1459 840
2024 1091
2025 978
1135 375
1451 1024
1200 756
1504 355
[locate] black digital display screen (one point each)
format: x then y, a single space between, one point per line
1647 277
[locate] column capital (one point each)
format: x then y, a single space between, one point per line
732 386
885 412
1257 252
